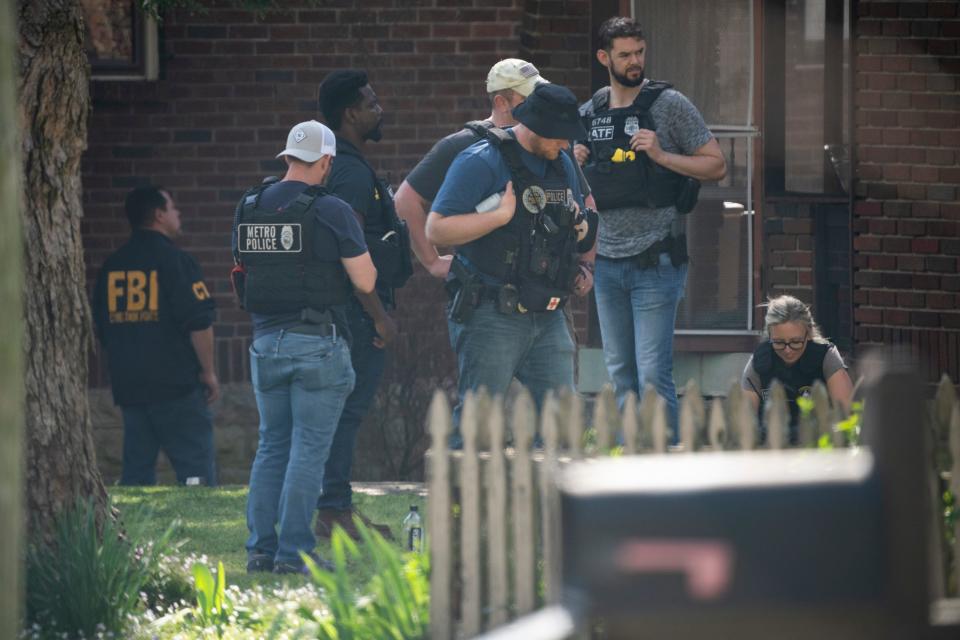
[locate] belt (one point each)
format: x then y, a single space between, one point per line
326 329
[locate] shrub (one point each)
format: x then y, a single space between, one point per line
88 579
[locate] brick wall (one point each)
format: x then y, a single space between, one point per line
906 245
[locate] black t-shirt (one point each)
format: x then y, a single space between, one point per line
148 298
337 235
429 173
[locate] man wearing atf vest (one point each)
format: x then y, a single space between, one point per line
154 317
350 108
646 150
301 257
509 82
518 260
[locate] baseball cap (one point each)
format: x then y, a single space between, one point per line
551 111
309 141
516 74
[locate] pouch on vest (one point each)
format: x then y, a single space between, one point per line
390 253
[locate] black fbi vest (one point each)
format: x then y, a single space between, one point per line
276 249
796 379
616 180
536 250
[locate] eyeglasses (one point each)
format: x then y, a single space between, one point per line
795 345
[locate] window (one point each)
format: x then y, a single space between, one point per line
806 128
705 50
121 41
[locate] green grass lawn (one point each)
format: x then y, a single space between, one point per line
213 524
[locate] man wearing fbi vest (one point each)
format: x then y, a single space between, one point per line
154 317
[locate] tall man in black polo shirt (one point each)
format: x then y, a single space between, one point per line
154 317
349 106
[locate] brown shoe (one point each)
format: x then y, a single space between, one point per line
328 518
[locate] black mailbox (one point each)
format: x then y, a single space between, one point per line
734 544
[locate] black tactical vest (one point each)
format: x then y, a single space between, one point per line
618 176
537 250
796 379
275 249
387 236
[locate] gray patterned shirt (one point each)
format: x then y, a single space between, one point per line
629 231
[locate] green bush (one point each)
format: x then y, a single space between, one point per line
89 579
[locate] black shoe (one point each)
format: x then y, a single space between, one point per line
286 568
259 563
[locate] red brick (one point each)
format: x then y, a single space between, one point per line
942 301
867 243
883 227
925 318
925 245
896 245
911 227
882 298
940 156
910 263
882 262
896 317
910 299
926 281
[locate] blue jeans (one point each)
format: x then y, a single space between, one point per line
182 427
492 348
637 310
368 364
300 382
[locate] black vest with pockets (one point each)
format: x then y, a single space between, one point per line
276 249
387 236
796 380
629 183
536 250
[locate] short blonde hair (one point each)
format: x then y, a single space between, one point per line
789 309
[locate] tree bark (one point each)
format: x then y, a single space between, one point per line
11 355
54 98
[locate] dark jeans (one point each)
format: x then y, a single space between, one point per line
368 364
182 427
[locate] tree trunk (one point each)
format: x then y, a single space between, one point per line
11 354
54 99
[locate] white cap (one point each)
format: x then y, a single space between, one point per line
516 74
309 141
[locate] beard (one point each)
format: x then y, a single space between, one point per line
625 80
375 134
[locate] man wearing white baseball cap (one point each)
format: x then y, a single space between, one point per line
300 255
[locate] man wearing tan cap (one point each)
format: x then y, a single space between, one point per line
509 82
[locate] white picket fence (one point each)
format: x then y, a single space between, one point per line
493 509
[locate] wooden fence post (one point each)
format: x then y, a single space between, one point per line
498 582
776 415
470 517
573 416
659 425
439 536
605 416
524 524
718 428
691 416
550 502
631 426
743 418
954 432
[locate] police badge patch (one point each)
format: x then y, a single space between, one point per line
269 238
534 199
631 125
286 237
